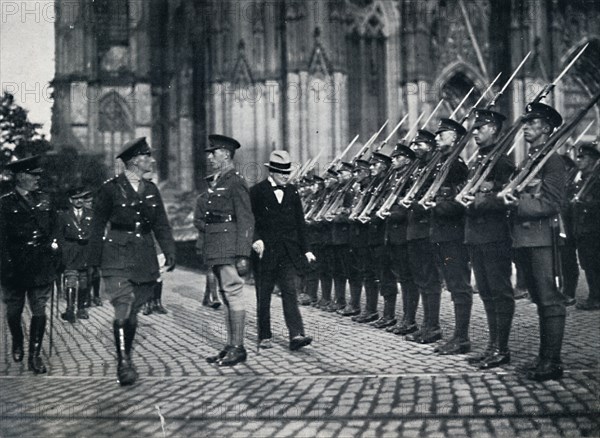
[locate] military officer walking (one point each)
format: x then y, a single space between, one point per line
29 257
227 242
133 209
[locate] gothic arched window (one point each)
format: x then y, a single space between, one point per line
115 124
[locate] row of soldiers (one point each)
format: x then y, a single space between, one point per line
360 240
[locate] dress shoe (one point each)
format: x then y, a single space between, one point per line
399 326
415 336
431 336
546 370
300 341
588 305
476 360
215 304
455 347
349 311
82 313
126 373
234 356
334 307
97 301
366 317
147 309
383 323
17 352
495 359
408 329
220 355
265 343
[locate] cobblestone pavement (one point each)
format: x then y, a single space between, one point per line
353 381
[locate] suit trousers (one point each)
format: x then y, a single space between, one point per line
537 263
285 274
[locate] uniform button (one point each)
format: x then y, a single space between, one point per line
124 205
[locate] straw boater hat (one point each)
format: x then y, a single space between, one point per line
279 162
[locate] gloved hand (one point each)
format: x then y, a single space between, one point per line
242 265
170 263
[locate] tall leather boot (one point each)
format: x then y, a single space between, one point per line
389 313
237 352
416 336
326 285
434 331
36 335
550 366
16 331
492 344
126 373
96 290
69 314
82 303
158 307
339 284
353 307
460 343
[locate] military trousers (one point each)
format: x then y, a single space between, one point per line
381 258
453 258
492 266
37 296
537 263
126 296
423 266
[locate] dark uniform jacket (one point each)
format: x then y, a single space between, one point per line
539 206
448 216
419 219
229 220
397 222
341 223
128 249
279 225
586 213
359 232
73 236
487 216
27 231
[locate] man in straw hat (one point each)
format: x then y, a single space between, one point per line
281 248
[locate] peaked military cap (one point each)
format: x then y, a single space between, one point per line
485 116
404 151
78 192
331 173
424 136
217 141
133 148
542 111
318 179
451 125
346 166
362 164
378 156
589 149
25 165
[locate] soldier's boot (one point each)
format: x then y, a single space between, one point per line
158 307
460 343
326 285
16 331
126 373
370 314
69 314
148 306
96 291
353 306
410 302
417 335
550 366
82 303
389 313
433 331
237 352
340 293
492 345
36 335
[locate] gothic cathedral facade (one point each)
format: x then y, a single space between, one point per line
304 75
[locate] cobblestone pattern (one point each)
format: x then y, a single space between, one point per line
354 381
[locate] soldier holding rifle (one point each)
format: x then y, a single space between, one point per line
488 236
534 213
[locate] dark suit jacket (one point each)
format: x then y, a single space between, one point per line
74 237
27 230
279 225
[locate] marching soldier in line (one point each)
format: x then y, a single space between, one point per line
311 279
533 215
134 211
358 241
93 277
397 246
74 233
325 248
488 236
380 163
340 236
228 242
586 211
421 252
447 235
29 257
380 257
